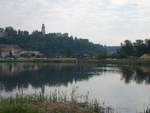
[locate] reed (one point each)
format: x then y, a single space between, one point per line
147 110
30 103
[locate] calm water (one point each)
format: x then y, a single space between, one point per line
125 88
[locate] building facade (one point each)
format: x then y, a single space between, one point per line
9 50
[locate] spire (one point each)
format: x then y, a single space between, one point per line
43 29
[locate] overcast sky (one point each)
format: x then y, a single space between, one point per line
108 22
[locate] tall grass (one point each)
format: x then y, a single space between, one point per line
147 110
19 109
55 97
26 103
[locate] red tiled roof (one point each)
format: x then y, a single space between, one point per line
6 50
7 46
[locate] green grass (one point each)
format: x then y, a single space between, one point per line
118 61
34 60
19 109
29 103
102 61
147 110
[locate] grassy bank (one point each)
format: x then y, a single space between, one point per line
129 62
55 103
118 61
79 61
51 104
40 60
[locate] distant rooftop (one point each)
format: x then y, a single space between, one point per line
7 46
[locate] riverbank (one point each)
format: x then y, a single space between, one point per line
44 108
44 104
51 60
119 61
49 104
79 61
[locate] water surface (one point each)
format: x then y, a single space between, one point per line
125 88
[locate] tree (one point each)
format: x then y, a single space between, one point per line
68 52
147 43
36 34
11 32
138 48
127 48
26 33
51 43
102 56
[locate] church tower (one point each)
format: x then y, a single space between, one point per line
43 29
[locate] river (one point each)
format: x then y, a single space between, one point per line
124 88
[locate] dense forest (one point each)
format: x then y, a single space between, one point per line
51 43
137 48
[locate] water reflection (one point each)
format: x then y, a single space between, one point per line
20 75
105 82
38 75
138 74
14 69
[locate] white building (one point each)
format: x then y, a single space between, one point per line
9 50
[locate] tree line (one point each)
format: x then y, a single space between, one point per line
51 43
137 48
128 49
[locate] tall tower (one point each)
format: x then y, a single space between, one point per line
43 29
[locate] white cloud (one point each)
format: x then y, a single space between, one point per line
107 21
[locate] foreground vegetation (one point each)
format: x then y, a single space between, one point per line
55 103
147 110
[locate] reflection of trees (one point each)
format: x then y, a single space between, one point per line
11 69
46 75
14 76
137 74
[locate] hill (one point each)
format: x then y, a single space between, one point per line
51 43
112 49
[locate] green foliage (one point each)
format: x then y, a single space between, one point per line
118 56
29 103
138 48
51 43
147 110
19 109
25 55
102 56
68 52
127 47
